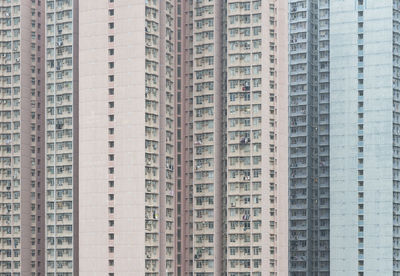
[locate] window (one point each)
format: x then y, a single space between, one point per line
111 12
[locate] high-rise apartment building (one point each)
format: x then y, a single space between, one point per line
21 139
184 138
236 91
309 137
143 136
207 137
127 137
174 115
344 166
61 130
251 93
179 131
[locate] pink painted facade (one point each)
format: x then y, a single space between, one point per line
282 132
126 138
201 230
171 115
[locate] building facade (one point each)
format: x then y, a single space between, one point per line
251 96
309 137
192 156
184 137
127 138
61 134
235 137
213 94
145 136
21 139
207 137
364 138
343 182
